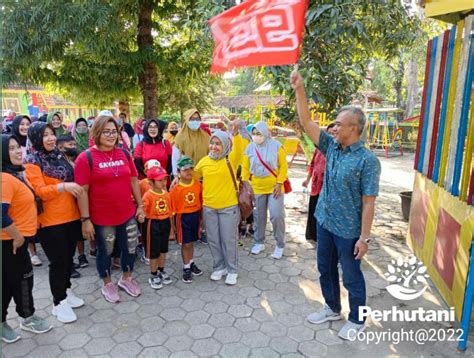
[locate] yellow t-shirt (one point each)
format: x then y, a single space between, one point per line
265 185
218 188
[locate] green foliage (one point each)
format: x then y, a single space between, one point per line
88 49
341 37
246 81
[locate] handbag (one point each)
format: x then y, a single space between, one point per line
245 195
286 184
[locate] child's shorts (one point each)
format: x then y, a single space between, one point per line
156 234
187 227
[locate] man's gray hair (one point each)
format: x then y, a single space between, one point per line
358 113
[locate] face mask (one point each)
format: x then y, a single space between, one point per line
174 132
71 152
90 122
258 139
82 130
194 125
120 122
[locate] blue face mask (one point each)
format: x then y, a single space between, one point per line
194 125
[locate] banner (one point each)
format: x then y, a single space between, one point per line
258 33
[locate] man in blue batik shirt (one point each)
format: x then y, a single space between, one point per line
345 209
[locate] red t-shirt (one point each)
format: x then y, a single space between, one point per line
110 187
159 151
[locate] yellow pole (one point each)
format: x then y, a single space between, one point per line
450 106
468 154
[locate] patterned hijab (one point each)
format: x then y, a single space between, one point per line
224 138
53 164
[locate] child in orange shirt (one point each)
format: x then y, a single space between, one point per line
186 197
156 229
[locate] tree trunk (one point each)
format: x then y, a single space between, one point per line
124 107
398 83
148 78
412 87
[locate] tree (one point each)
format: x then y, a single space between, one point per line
115 50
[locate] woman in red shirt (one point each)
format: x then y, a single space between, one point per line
109 178
153 146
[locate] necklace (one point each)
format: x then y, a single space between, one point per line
112 167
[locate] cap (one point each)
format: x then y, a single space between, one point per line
106 113
151 163
156 173
185 163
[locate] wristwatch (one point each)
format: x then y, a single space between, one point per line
367 240
85 218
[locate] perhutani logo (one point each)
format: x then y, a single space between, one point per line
406 275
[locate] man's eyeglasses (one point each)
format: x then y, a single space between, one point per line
110 133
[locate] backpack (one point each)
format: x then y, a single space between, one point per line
89 156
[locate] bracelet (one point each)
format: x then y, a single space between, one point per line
85 218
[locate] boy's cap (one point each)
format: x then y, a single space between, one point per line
151 163
156 173
185 163
106 113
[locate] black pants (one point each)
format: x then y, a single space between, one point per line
311 224
59 245
17 279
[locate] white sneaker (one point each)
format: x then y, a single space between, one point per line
278 253
231 279
217 275
64 312
257 248
350 331
35 261
73 300
323 315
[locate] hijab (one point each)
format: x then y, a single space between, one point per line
60 130
82 139
16 129
194 144
53 164
226 142
168 136
268 151
138 126
161 128
7 165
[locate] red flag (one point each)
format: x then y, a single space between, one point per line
258 33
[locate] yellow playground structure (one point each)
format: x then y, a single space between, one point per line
383 132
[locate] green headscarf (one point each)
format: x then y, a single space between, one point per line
61 130
82 139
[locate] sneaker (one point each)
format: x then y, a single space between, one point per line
75 266
195 270
130 286
110 292
165 278
35 324
217 275
64 312
350 331
323 315
35 260
93 254
8 334
144 260
75 273
83 261
73 300
187 275
231 279
257 248
278 253
155 282
203 240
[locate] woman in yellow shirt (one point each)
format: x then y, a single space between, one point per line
220 211
267 186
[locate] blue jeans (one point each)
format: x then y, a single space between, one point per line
126 235
332 248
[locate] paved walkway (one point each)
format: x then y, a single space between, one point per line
262 316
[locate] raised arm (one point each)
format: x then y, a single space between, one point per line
311 128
